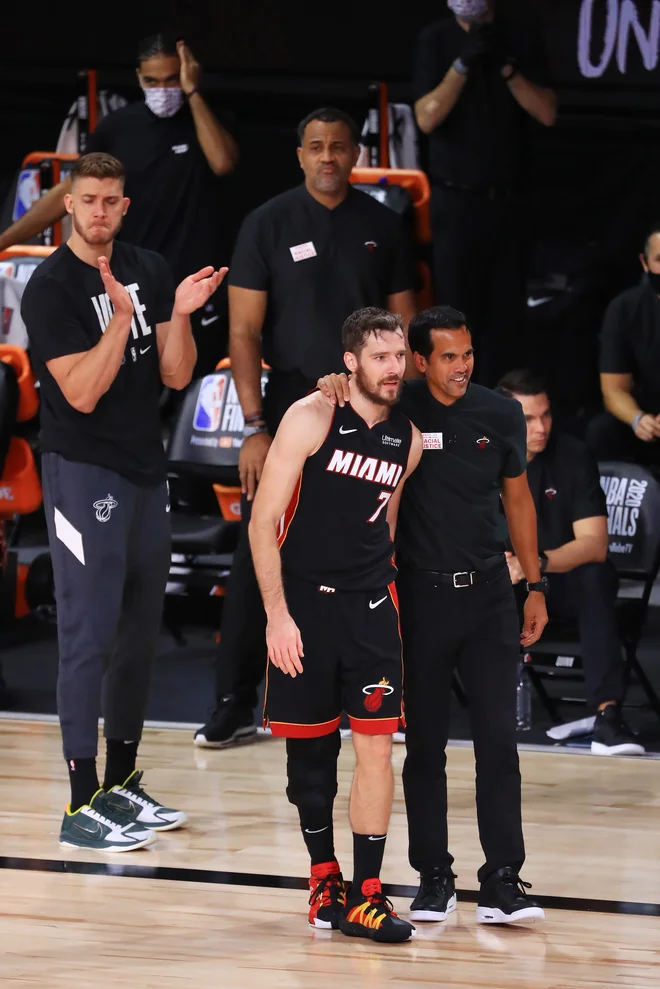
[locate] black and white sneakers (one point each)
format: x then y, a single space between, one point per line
229 724
612 736
436 897
503 900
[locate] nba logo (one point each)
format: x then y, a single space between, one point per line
209 404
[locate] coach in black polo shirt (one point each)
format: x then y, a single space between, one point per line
630 369
573 540
476 85
458 610
303 262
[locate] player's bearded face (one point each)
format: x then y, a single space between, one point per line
97 207
94 231
383 389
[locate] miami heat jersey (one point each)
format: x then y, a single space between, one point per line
334 532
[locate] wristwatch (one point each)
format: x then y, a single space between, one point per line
254 429
541 585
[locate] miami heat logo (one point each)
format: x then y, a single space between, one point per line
483 442
104 507
375 693
550 493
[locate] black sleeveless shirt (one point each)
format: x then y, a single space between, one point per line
334 532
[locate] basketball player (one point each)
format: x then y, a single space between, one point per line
321 531
106 331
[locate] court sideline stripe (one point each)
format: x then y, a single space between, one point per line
293 882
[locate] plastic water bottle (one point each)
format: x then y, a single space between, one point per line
523 698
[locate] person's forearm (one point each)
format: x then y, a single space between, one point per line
91 377
245 356
46 211
179 356
521 519
585 549
538 101
219 147
622 405
434 108
267 564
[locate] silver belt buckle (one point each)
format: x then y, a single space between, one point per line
464 573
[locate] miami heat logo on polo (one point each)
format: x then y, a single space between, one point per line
483 442
375 693
104 507
550 493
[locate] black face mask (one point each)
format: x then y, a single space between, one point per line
654 281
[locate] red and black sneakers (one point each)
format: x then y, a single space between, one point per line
370 914
327 896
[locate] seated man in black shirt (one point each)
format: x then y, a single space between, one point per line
475 87
630 369
573 538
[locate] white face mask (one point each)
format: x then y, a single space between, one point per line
164 101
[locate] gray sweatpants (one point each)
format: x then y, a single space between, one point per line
110 546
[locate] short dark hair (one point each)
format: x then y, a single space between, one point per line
329 115
163 43
521 381
363 322
436 318
97 165
653 229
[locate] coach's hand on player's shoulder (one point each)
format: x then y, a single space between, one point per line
195 290
251 460
119 297
285 648
535 618
335 388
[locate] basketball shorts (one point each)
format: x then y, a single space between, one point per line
352 662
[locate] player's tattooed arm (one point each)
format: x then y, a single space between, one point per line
414 457
301 433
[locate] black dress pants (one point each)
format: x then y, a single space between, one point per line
475 630
477 268
241 659
588 594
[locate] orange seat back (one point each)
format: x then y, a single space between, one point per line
417 185
28 399
229 500
20 488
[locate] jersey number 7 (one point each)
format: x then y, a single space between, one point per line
383 497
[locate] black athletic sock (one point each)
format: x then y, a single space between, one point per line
120 762
368 850
318 832
84 781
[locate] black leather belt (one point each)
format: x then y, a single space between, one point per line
462 578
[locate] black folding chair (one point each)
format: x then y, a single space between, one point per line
633 502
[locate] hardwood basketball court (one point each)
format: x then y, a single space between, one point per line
223 902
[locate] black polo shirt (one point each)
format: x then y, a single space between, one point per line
318 265
565 486
480 143
630 343
175 197
449 518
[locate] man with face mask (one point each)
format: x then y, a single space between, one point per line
630 369
475 87
173 149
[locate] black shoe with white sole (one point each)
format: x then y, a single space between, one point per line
436 897
503 900
229 724
612 736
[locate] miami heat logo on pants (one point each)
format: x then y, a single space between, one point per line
375 693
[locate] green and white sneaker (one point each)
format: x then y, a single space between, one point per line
98 826
135 805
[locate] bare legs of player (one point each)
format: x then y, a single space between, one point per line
372 790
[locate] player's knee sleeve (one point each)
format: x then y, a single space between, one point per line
312 771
